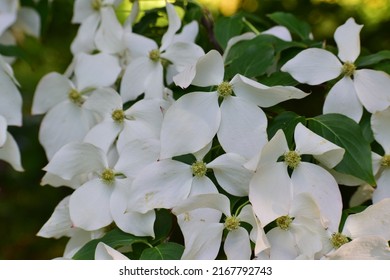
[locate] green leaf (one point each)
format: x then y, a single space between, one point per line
286 121
226 28
373 58
347 134
295 25
347 212
162 225
277 79
164 251
9 50
249 58
115 239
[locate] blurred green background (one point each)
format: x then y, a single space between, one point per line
25 205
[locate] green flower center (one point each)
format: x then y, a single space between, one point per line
292 159
338 240
225 89
385 162
118 115
284 222
232 223
96 4
199 169
108 176
348 69
154 55
75 97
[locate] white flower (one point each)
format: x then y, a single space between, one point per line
203 233
105 252
195 118
357 88
64 100
144 74
271 187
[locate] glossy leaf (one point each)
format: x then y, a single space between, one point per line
295 25
164 251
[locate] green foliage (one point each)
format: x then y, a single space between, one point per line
347 134
164 251
292 23
226 28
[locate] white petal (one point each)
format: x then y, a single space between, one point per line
162 184
10 99
128 220
313 66
135 78
190 124
201 240
243 128
139 46
234 40
374 220
109 34
380 125
212 200
79 238
135 130
199 155
283 245
307 234
304 205
237 245
29 21
64 123
104 134
104 252
154 83
81 10
183 54
97 70
263 95
342 99
279 31
59 223
3 130
84 42
174 25
372 88
136 155
363 248
89 205
270 192
231 175
307 142
382 189
209 70
10 153
75 159
188 33
51 89
361 195
308 177
348 40
103 101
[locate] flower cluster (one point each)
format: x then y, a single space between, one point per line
163 140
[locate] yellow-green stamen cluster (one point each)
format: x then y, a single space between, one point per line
232 223
199 169
338 240
154 55
385 162
292 159
75 97
284 222
225 89
108 176
348 69
96 4
118 115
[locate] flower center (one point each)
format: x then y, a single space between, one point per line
75 97
199 169
225 89
154 55
338 240
284 222
292 159
385 162
348 69
118 115
108 176
96 4
232 223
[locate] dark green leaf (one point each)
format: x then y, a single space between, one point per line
162 225
373 58
286 121
226 28
347 134
295 25
277 79
115 239
8 50
165 251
